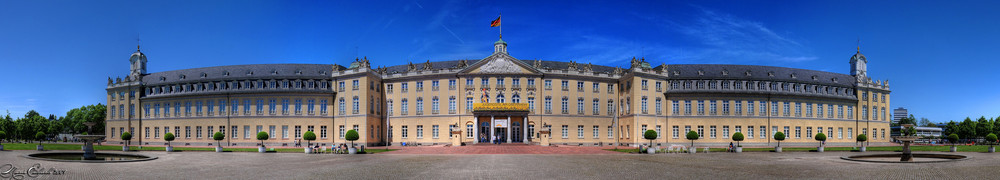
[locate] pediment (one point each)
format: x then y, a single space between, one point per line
500 63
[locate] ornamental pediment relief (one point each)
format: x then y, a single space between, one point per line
500 65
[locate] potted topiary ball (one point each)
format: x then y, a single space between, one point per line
261 136
218 136
352 136
778 136
953 138
126 136
692 136
738 136
650 135
3 136
309 136
40 136
169 137
862 138
991 139
820 137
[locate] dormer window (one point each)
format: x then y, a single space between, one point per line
274 72
322 72
249 73
182 76
814 77
298 72
701 73
725 72
203 75
793 75
225 73
834 80
770 74
748 73
677 73
163 78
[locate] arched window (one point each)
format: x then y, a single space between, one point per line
515 99
500 98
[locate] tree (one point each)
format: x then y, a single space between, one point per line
926 122
127 137
168 137
3 136
649 135
40 136
908 120
692 136
309 136
352 136
219 136
861 138
820 137
983 127
91 113
967 128
262 136
953 138
951 128
779 136
991 139
738 136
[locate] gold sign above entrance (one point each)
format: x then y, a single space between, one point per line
500 107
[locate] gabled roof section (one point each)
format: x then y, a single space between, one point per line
500 63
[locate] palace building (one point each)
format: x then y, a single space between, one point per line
498 97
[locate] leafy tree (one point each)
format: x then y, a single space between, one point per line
951 128
983 127
262 136
738 136
91 113
3 136
967 128
309 136
820 137
352 136
40 136
926 122
219 136
649 135
692 136
908 120
168 137
861 138
779 136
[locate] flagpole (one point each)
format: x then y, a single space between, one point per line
501 26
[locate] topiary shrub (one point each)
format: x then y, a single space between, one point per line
779 136
738 136
862 138
953 138
262 136
692 136
991 139
39 136
168 137
309 136
820 137
649 135
352 136
127 137
219 136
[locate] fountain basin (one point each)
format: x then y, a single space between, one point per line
78 157
917 158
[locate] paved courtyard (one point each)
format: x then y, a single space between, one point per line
504 149
756 165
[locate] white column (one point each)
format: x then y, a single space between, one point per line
493 122
475 131
508 129
524 129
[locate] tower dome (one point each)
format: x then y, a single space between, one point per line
138 63
500 47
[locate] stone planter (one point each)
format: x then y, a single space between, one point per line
308 150
352 151
954 149
777 149
125 148
1 147
651 150
40 148
170 149
739 149
692 150
863 149
218 149
819 149
261 149
992 149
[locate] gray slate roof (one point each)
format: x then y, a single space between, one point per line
714 71
451 64
263 71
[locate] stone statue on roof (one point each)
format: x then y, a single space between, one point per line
365 63
572 65
109 81
461 64
427 65
118 80
588 67
538 63
411 67
635 63
336 68
618 70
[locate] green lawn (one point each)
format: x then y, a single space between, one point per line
19 146
976 148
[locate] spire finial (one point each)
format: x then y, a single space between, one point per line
859 44
138 41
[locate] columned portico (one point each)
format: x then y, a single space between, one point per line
506 122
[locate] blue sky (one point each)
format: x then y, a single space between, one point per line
939 57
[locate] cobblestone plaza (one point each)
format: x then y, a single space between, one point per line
756 165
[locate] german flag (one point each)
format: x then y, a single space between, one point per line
495 23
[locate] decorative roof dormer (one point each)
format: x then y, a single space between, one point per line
859 67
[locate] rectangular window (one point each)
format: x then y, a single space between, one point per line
284 132
272 131
342 130
404 129
434 131
198 133
611 132
469 129
246 132
798 132
701 107
322 132
147 133
750 109
596 132
596 107
712 107
565 131
298 106
579 86
763 131
809 131
579 131
658 132
565 106
711 132
675 132
675 108
565 85
701 132
786 110
749 132
548 105
725 131
187 132
420 131
468 104
579 106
